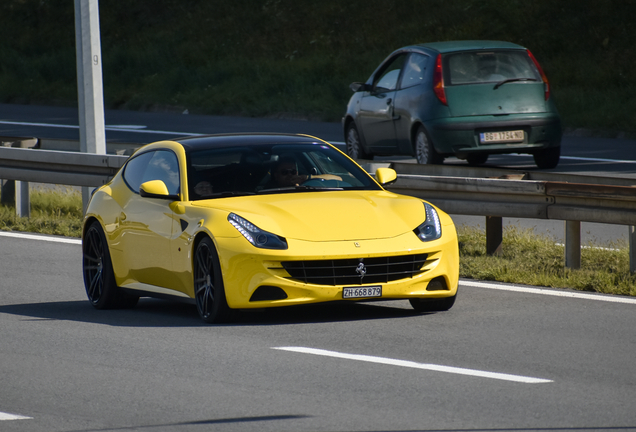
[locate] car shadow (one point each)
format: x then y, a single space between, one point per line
163 313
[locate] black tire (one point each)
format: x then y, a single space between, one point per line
99 279
548 158
477 159
354 146
209 292
425 153
432 305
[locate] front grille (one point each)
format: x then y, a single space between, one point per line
343 271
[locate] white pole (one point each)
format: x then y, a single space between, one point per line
89 81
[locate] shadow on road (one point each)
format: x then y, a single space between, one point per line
162 313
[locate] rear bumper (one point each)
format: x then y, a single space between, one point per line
460 135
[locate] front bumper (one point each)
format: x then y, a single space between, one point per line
246 269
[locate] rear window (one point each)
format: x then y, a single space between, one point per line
474 67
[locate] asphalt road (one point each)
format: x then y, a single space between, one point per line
499 360
581 155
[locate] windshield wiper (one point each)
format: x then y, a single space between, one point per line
299 188
227 194
500 83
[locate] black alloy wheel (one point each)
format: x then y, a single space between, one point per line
209 292
99 279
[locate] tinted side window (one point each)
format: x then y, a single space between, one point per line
157 165
414 70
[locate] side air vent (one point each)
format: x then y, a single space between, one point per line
268 292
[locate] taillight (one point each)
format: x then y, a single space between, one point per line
543 77
438 81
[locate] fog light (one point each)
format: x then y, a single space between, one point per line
437 284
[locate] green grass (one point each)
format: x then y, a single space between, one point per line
57 211
284 57
527 258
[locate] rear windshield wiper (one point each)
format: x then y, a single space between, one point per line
500 83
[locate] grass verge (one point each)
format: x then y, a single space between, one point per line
55 211
527 258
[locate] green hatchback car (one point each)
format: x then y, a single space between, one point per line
468 99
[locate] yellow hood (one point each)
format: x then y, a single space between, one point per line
327 216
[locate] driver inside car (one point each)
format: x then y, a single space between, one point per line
285 174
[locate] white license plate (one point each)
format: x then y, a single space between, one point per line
362 292
501 137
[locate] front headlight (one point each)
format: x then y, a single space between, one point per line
431 229
255 235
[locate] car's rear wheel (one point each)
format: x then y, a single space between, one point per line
477 158
208 284
432 305
354 146
424 151
99 279
548 158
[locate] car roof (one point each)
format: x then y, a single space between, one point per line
467 45
242 139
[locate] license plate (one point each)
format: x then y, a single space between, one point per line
501 137
362 292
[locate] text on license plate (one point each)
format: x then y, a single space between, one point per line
362 292
506 136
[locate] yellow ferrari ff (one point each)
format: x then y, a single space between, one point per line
244 221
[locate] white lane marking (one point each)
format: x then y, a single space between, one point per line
580 158
40 237
7 416
111 128
551 292
414 365
127 126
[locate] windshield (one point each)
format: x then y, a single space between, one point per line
266 169
489 66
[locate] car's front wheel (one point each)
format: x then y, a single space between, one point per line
354 146
425 153
99 278
548 158
432 305
208 284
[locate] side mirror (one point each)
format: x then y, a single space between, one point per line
385 176
156 189
358 87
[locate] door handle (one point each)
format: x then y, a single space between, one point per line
388 101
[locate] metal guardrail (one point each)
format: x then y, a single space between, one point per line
58 167
492 193
496 193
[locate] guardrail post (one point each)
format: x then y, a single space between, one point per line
573 244
632 249
22 199
494 235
